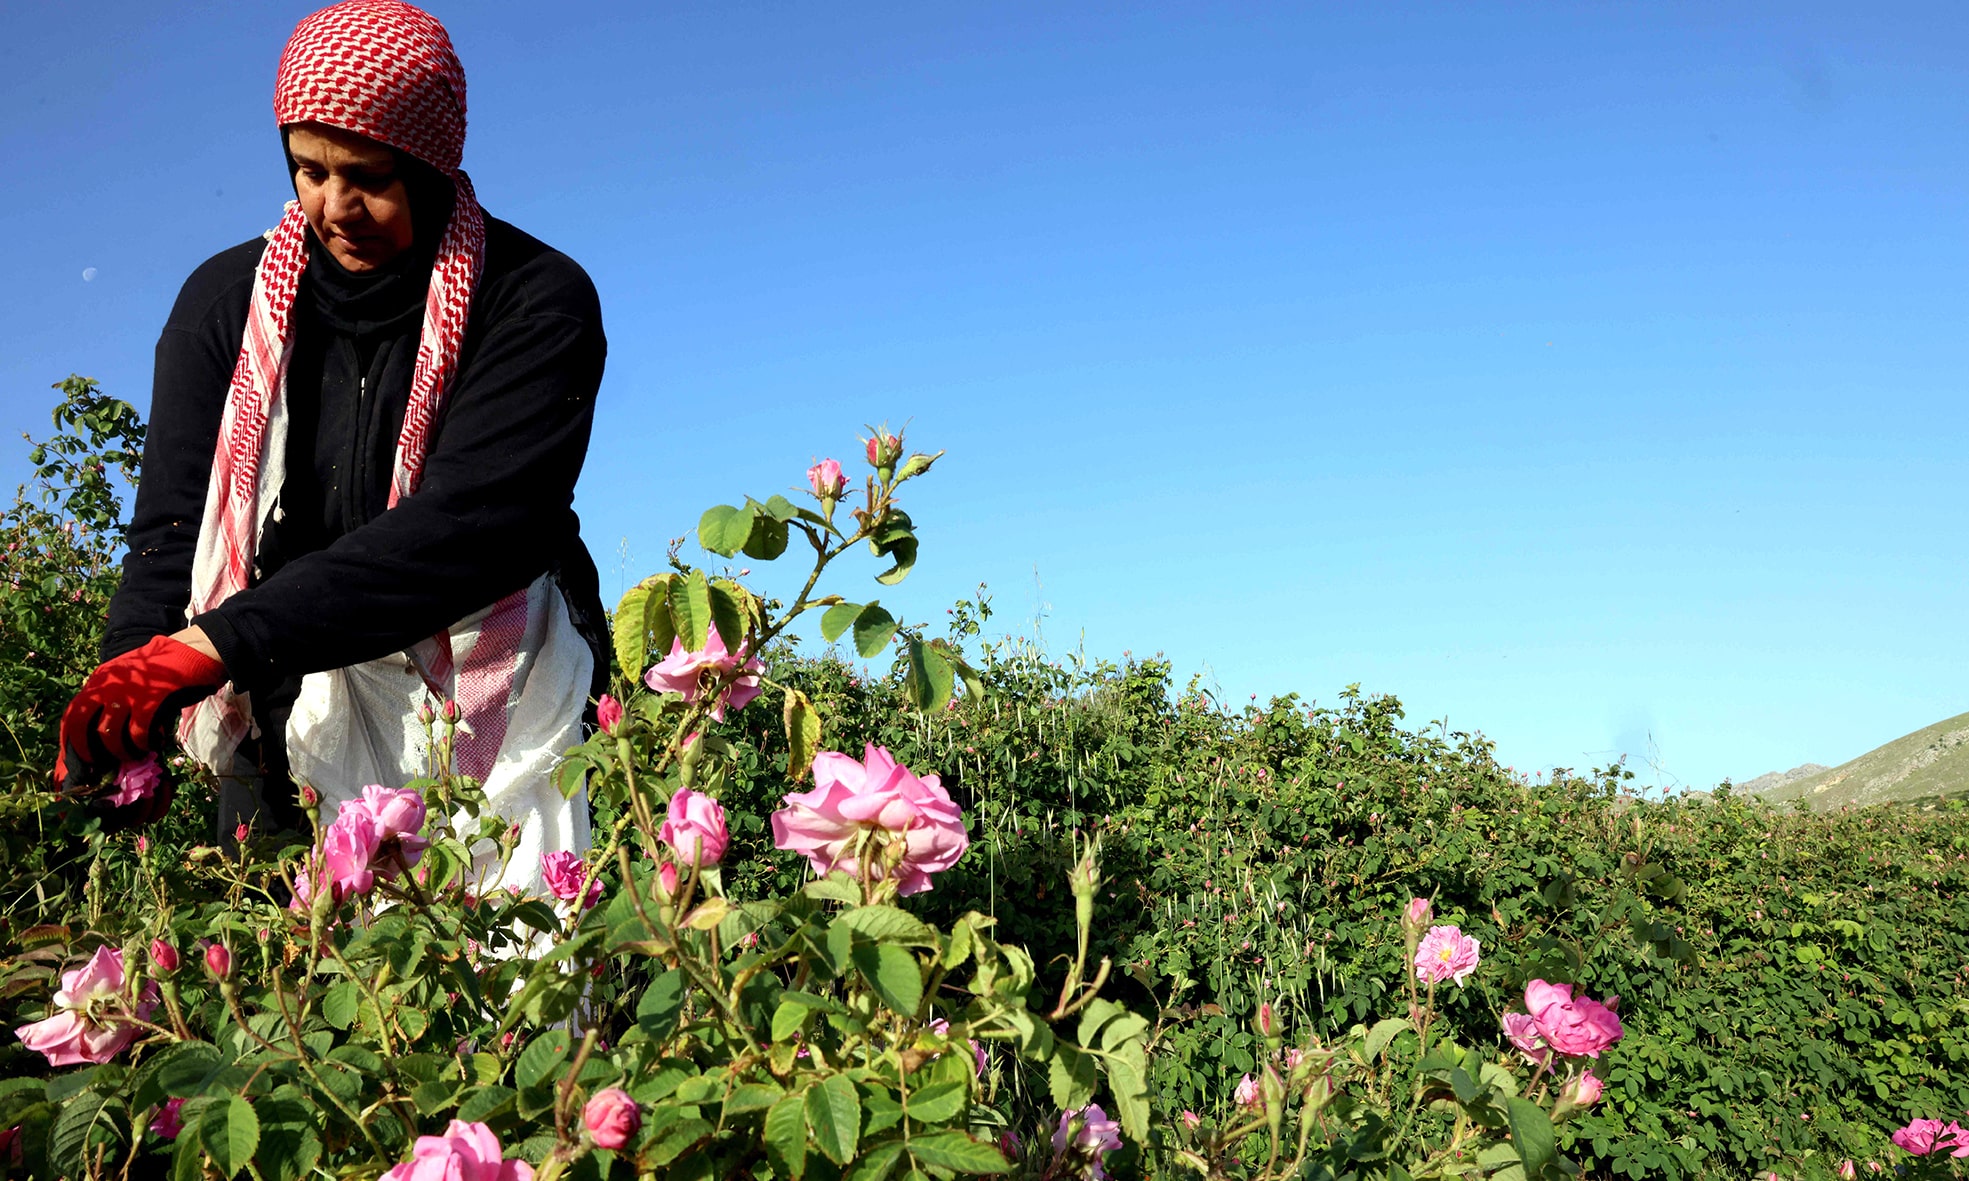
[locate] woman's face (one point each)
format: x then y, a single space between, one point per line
351 195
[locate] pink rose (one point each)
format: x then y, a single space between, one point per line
166 1122
82 1030
399 817
1248 1093
1570 1025
880 793
345 860
564 873
694 828
608 714
683 671
137 780
1446 953
612 1118
1089 1133
826 480
466 1152
1924 1136
163 956
1584 1091
1522 1032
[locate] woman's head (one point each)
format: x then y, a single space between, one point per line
371 98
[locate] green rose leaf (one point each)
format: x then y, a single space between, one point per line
768 538
542 1057
786 1137
834 1117
874 628
892 973
727 617
958 1152
724 529
802 734
837 619
230 1133
888 924
929 679
1531 1131
690 607
939 1103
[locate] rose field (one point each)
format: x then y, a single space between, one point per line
929 902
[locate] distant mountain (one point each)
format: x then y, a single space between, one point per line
1927 764
1771 780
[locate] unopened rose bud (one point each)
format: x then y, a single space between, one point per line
1267 1022
239 832
451 712
612 1118
143 845
309 796
608 714
218 960
426 715
1583 1091
163 956
883 449
1418 914
1846 1170
826 480
666 876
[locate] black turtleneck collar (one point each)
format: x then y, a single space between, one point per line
389 298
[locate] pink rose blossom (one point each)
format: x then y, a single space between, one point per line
80 1032
564 873
694 828
1570 1025
137 780
398 814
608 714
1924 1136
466 1152
880 793
826 480
1095 1137
1522 1032
1446 953
345 862
612 1118
1248 1093
683 671
166 1122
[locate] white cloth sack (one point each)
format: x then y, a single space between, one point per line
355 726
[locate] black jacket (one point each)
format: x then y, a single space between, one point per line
339 577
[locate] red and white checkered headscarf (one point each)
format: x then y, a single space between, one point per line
386 70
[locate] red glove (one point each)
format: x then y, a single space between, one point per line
127 707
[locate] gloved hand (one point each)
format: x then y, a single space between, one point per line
127 707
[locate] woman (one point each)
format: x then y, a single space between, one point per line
365 433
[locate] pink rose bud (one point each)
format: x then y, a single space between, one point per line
1008 1143
666 876
608 714
883 449
1191 1119
1267 1023
218 960
425 714
309 796
826 480
612 1118
143 845
1846 1170
239 832
1585 1090
1248 1093
1418 914
451 711
163 956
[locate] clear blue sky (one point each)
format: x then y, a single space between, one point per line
1591 375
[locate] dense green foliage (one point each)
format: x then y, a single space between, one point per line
1798 997
1791 984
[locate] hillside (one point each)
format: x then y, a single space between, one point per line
1926 764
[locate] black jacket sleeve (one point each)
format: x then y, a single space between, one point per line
195 358
492 513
